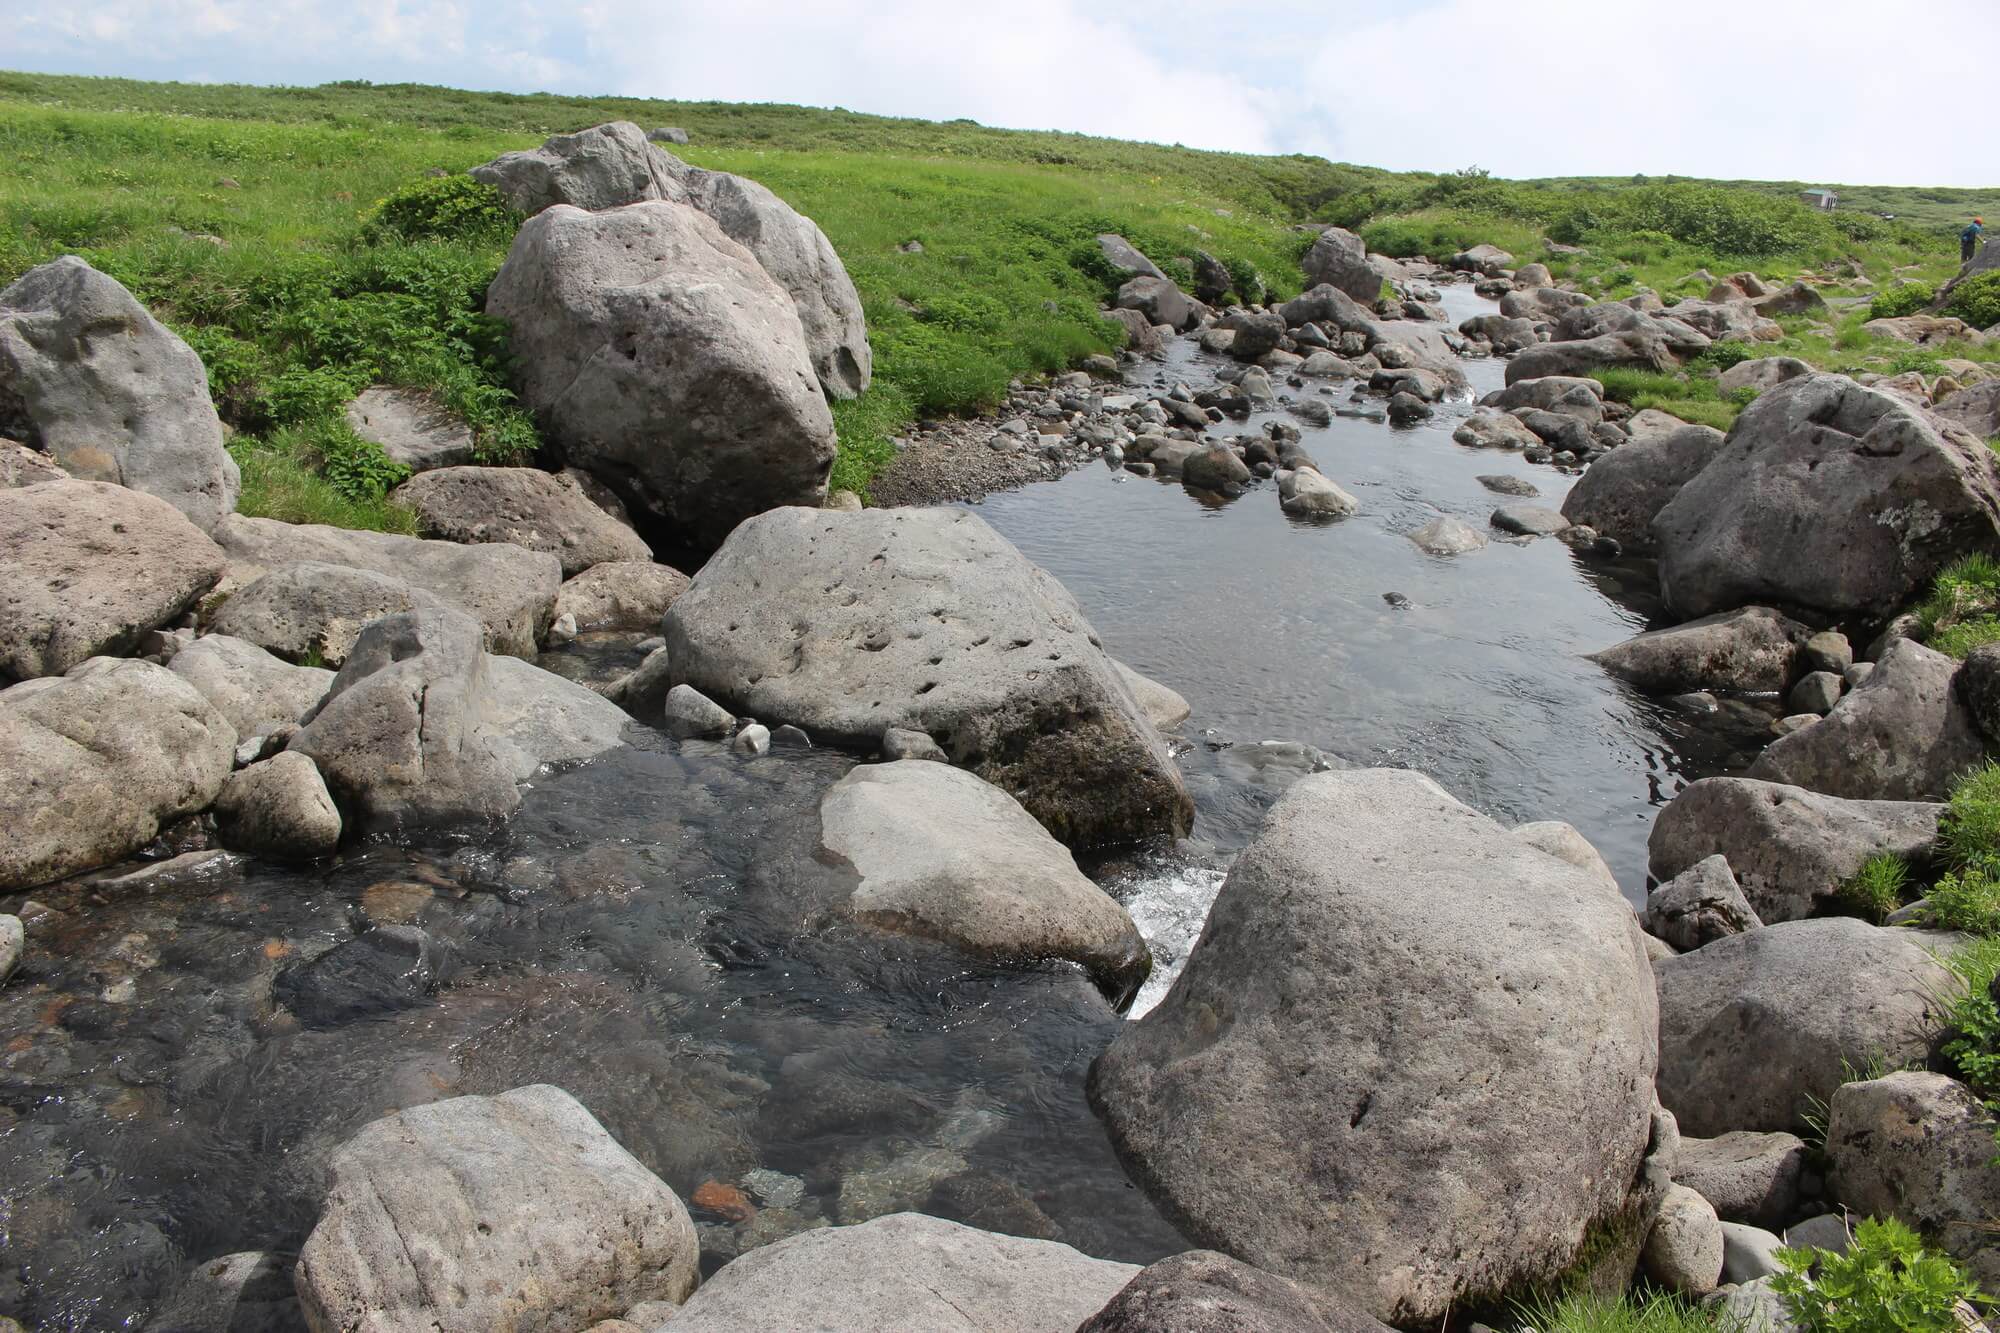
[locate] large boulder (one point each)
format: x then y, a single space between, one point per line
255 691
87 567
1326 303
1578 396
1200 1291
1726 321
509 590
1977 408
621 595
1919 1147
1496 430
521 506
1140 335
1753 649
1482 258
278 808
1789 849
1643 349
601 167
1901 735
659 355
1624 491
905 1271
1127 259
513 1212
1377 1106
942 854
1616 318
312 613
1829 496
849 624
1755 1026
92 764
1762 374
1340 260
412 427
1160 302
93 380
798 256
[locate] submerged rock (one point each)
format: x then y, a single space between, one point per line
850 624
942 854
1790 849
1448 535
383 970
93 380
1754 1026
916 1272
482 1213
1391 1059
94 763
86 568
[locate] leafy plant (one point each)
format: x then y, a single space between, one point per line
1964 594
1972 1028
443 208
1887 1282
1976 301
1969 830
1966 900
1723 355
1876 889
1906 299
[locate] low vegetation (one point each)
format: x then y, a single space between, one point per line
1963 608
1886 1282
1588 1312
1878 888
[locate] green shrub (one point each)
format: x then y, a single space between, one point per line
279 483
443 208
1723 355
1969 831
1972 1027
1247 281
1876 889
1976 301
1906 299
1966 900
1960 639
1964 596
1887 1282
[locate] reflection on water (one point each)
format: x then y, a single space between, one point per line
655 931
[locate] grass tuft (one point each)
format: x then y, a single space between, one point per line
1876 889
1586 1312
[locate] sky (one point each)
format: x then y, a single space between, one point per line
1829 91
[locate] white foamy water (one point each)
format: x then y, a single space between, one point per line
1169 907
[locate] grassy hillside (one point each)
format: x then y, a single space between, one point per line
310 241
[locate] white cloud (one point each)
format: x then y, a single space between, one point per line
1824 90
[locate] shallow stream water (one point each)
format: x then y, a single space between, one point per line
653 931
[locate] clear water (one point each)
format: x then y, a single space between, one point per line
654 932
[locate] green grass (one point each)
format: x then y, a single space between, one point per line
1691 397
1972 1025
1886 1280
1962 609
1876 889
1583 1312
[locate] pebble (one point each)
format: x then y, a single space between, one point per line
787 734
1397 600
563 630
724 1200
13 939
775 1189
753 739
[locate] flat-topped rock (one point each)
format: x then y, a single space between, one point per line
1753 649
254 690
412 427
522 507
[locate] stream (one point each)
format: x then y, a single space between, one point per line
649 931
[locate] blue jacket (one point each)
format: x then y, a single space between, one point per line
1971 233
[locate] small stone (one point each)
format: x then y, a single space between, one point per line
1749 1253
791 736
775 1189
1857 675
1785 726
1506 485
563 630
1828 651
753 739
13 939
1817 692
1828 1231
646 647
689 713
1529 520
1684 1250
904 743
725 1200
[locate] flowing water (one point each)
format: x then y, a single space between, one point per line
653 930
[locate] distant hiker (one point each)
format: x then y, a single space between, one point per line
1968 240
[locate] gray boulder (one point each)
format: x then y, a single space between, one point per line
1160 302
1562 841
1978 687
93 763
601 167
944 855
799 257
87 567
1752 1178
1200 1291
1326 303
1919 1147
250 1292
1340 260
1643 349
620 595
659 355
510 591
1127 259
1749 1254
1393 1055
1215 468
1790 849
1624 491
479 1213
1529 520
1726 321
521 506
278 808
1613 319
1494 430
1448 535
1829 496
907 1271
93 380
1762 374
1754 649
1754 1026
1578 396
538 719
1305 493
412 427
13 942
1140 335
668 134
1903 735
1699 906
1163 706
688 713
1684 1246
312 613
848 624
1485 259
1977 409
22 466
255 691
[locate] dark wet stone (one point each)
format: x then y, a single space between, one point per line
384 970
